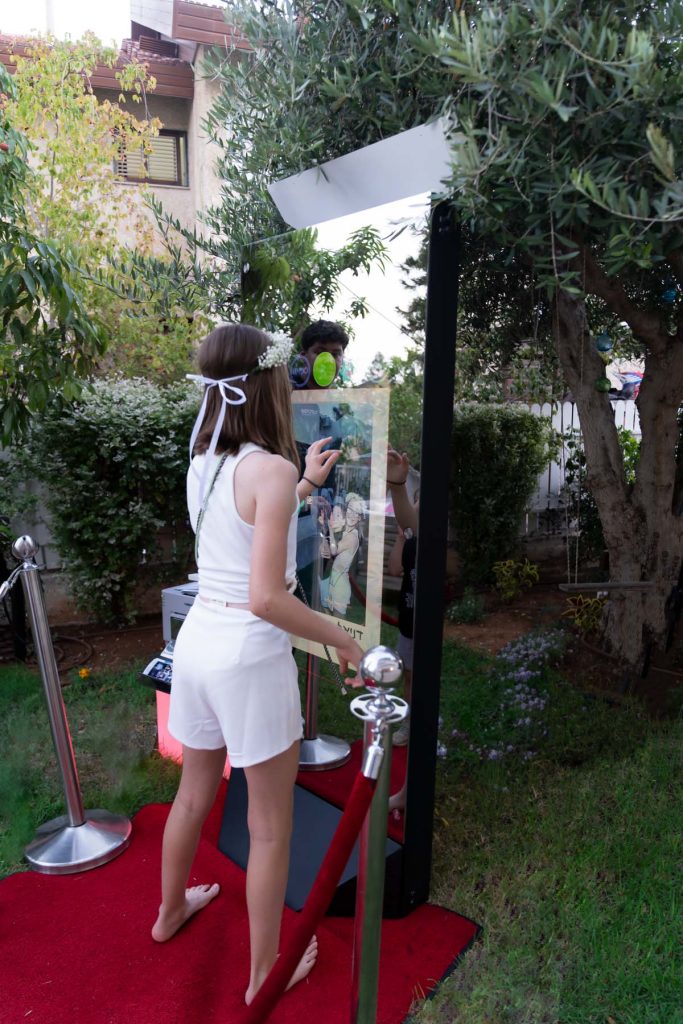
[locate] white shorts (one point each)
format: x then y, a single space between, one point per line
234 684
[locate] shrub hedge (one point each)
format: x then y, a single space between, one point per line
114 464
497 454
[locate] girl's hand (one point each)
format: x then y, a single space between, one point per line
397 467
349 653
319 463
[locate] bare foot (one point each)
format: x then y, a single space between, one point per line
303 969
195 898
397 802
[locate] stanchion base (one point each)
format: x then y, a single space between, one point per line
322 753
61 849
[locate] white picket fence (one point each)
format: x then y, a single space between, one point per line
546 513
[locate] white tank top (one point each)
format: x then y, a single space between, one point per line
225 540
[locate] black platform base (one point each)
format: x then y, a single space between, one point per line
315 821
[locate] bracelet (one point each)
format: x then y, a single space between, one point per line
310 482
394 483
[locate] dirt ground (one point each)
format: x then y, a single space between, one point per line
99 649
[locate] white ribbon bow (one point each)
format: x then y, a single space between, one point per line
224 386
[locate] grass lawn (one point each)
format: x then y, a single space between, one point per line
558 829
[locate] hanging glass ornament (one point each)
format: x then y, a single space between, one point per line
604 343
602 384
345 372
299 371
669 294
324 369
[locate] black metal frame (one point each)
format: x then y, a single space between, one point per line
437 423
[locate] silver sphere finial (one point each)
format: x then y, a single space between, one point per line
380 668
24 548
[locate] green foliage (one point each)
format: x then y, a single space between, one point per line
73 199
279 281
512 577
581 505
404 374
586 613
47 339
497 454
327 78
114 466
470 608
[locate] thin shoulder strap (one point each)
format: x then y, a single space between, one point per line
202 510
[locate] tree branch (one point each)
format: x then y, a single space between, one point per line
646 326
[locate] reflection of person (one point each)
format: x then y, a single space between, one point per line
323 336
335 590
234 677
402 562
311 424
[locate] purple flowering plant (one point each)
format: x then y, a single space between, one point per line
503 711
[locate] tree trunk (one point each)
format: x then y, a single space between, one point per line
642 528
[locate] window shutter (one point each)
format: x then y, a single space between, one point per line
134 164
162 162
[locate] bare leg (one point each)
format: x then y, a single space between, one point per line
397 802
408 685
271 794
202 772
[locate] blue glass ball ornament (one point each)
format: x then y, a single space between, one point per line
299 371
604 343
669 295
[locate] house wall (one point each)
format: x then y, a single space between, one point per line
155 14
183 202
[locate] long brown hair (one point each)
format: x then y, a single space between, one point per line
266 416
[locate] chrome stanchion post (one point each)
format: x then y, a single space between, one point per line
79 839
318 752
380 668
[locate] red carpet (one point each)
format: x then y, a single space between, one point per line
335 785
76 949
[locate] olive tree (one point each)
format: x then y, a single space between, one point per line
565 135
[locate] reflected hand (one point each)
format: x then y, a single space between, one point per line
318 463
397 467
349 653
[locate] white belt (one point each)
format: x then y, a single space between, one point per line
222 604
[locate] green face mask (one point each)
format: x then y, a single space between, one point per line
324 369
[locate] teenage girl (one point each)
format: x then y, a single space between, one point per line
234 677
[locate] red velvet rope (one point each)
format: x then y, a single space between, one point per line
318 901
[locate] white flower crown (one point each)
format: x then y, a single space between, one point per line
278 353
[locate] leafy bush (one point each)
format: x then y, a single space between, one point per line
586 612
513 577
497 454
470 608
114 465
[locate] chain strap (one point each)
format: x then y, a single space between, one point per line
200 517
338 678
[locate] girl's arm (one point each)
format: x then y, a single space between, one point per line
397 474
395 559
268 596
317 467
